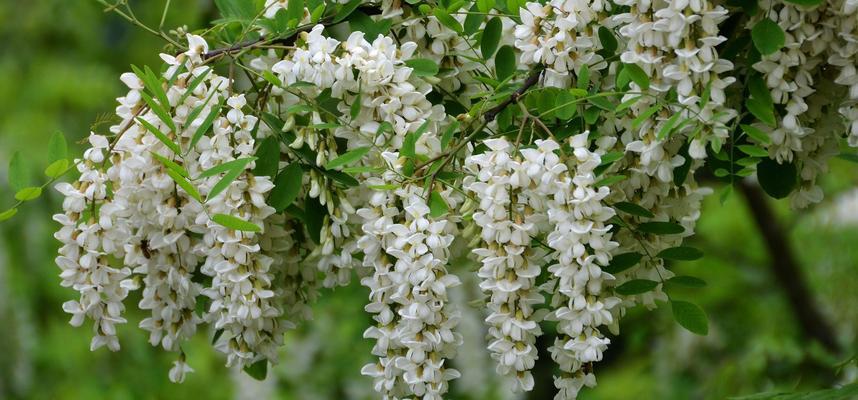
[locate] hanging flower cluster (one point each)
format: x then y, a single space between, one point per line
561 143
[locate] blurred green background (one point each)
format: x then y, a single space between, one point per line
59 66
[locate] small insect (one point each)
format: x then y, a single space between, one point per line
144 247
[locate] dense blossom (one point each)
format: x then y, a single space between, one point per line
403 159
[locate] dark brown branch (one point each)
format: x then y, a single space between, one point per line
236 47
531 80
284 41
786 271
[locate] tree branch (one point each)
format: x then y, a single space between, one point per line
531 80
786 271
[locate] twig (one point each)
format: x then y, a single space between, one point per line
531 80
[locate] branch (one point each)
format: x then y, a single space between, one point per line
528 83
786 270
287 40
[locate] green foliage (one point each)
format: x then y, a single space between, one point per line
622 262
423 66
505 62
778 180
768 36
491 38
287 186
17 172
235 223
437 205
348 157
690 316
268 157
633 209
661 228
681 253
636 286
257 370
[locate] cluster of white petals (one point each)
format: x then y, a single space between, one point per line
230 202
562 35
503 186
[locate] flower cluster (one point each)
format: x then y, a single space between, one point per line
510 266
562 35
231 202
408 251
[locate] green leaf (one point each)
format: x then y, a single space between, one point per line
805 3
610 180
626 104
317 13
57 168
409 144
778 180
645 115
759 90
768 36
761 111
314 218
622 262
602 102
661 228
688 281
633 209
184 184
505 62
473 21
198 109
690 316
447 20
348 157
485 5
28 193
346 10
170 164
584 77
756 134
160 135
193 85
680 253
287 186
57 148
437 205
268 157
154 84
565 105
159 111
448 134
637 75
491 38
17 172
354 109
608 40
422 66
224 182
295 12
668 126
852 157
235 223
298 109
8 214
753 151
636 286
204 127
236 9
230 165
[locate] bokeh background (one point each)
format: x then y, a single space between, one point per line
59 67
